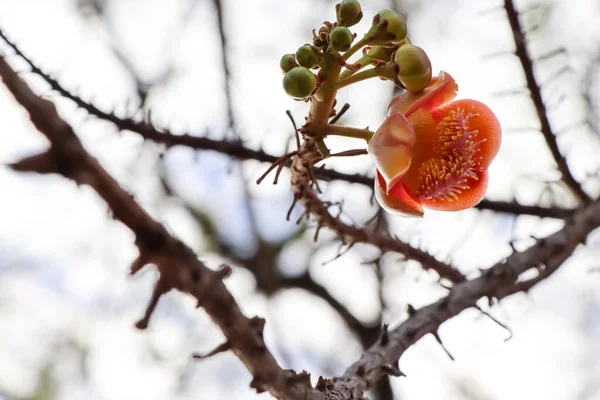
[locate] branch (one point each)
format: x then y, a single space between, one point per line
302 182
225 64
239 151
178 266
536 96
180 269
499 281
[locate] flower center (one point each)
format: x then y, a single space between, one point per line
456 163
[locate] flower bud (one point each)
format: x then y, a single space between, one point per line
415 67
340 38
288 61
307 56
388 27
348 13
299 82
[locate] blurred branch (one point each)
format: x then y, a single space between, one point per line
238 150
178 266
547 254
536 96
225 66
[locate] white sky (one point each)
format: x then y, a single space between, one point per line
63 263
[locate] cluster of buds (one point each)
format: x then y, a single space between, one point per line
430 151
385 46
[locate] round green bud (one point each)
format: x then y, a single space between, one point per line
415 67
299 82
388 27
288 61
307 56
340 38
348 13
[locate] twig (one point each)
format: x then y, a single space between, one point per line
536 96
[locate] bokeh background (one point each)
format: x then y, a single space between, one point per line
68 306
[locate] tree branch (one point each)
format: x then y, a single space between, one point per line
540 108
499 281
178 266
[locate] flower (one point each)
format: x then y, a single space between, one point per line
434 152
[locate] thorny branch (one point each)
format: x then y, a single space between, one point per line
499 281
302 186
236 149
540 108
180 269
178 266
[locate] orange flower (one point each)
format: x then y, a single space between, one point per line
434 152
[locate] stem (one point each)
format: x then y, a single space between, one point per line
320 109
339 130
358 45
360 76
363 61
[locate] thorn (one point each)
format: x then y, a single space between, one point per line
275 164
224 271
138 264
43 163
302 378
289 114
490 316
350 153
289 213
410 310
223 347
392 370
336 118
160 288
321 385
277 173
439 340
302 216
257 384
317 230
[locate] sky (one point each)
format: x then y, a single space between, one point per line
68 306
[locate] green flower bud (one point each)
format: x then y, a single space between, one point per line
415 67
299 82
388 27
307 56
340 38
288 61
348 13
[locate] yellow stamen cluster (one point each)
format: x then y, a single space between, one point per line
444 177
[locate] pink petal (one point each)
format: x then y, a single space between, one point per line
391 148
441 90
401 204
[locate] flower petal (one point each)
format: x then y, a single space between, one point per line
480 119
441 90
466 199
391 149
400 203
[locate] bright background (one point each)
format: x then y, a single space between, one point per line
67 304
